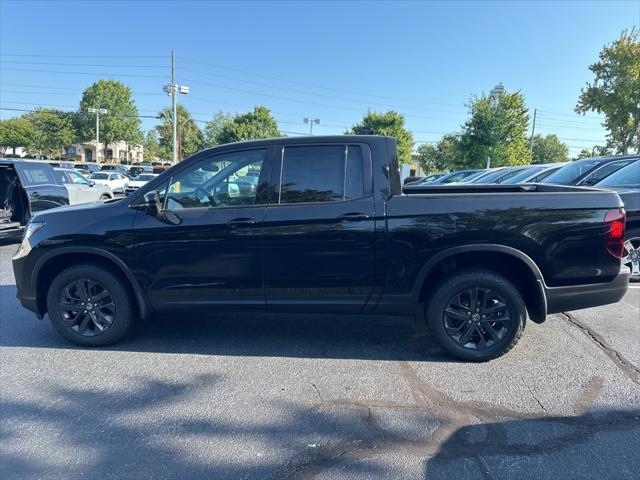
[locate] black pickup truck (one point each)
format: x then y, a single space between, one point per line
320 224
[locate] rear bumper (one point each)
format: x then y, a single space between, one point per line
576 297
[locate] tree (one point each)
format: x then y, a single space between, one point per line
151 146
496 129
390 123
584 153
16 132
121 123
615 91
214 128
549 149
441 156
52 130
249 126
189 136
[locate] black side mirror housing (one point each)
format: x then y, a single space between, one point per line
152 204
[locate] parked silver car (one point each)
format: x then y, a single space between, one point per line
80 188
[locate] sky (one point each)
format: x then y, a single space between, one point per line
329 60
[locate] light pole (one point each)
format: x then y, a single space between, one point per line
97 111
311 122
172 90
494 95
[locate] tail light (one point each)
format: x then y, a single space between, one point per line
614 223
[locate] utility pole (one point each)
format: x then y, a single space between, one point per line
311 121
533 130
172 90
97 111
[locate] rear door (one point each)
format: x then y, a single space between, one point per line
42 189
319 229
86 193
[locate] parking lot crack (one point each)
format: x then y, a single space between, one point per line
624 365
533 394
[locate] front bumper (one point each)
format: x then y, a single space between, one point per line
26 294
576 297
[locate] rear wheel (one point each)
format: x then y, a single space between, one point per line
104 197
476 315
632 254
89 305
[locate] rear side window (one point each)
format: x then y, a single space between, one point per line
325 173
604 172
37 174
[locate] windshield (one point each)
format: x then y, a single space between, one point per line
99 176
491 177
569 173
145 177
628 176
523 175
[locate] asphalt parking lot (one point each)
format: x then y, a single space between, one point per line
263 396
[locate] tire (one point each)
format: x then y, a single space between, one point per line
104 197
491 330
632 258
108 319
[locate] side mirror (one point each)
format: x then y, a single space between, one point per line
152 204
91 183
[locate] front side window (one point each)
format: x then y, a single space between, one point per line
225 180
604 172
78 179
321 174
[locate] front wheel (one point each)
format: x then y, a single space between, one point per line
89 305
476 315
104 197
632 255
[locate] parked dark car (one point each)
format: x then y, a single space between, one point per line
450 177
626 182
90 167
533 174
589 171
26 188
136 170
326 230
116 168
428 178
499 175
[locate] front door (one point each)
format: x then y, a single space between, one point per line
205 247
319 230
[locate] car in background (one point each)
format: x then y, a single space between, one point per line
80 188
450 177
114 168
136 170
534 174
116 181
26 187
589 171
499 175
138 182
90 167
626 182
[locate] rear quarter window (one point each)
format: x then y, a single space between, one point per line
37 175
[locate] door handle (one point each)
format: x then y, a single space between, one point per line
354 216
35 194
239 222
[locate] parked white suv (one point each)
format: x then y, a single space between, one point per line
80 188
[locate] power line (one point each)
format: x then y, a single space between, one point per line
82 64
79 56
69 93
84 73
253 74
120 115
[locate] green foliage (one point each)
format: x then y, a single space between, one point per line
214 128
189 135
16 132
151 146
584 153
497 128
249 126
53 130
549 149
390 124
121 123
439 157
615 91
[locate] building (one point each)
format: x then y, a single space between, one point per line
117 152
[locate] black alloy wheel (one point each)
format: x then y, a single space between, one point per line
87 307
477 318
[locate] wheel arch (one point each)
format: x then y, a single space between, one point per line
54 262
510 262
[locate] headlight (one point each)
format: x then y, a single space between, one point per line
25 246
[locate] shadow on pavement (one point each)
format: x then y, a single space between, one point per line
250 334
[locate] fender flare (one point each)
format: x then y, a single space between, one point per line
537 313
118 263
